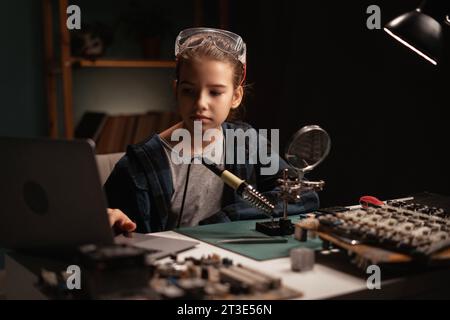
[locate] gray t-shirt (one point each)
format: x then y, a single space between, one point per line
203 195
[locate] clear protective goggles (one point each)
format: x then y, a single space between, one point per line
226 41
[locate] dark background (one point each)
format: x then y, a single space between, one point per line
317 63
308 63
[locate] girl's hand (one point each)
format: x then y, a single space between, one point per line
120 221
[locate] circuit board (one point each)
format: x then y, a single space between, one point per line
214 278
126 273
413 229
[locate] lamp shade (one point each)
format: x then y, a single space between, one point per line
419 32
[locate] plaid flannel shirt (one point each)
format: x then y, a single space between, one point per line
141 186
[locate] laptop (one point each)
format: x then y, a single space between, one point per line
52 199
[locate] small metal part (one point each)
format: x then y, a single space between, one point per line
292 188
302 259
254 240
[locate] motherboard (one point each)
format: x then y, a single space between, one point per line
404 226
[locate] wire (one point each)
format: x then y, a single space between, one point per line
216 171
184 194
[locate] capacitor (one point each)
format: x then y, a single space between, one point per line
227 262
204 273
302 259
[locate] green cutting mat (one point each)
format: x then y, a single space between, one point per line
213 233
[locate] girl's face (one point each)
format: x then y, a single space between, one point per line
205 93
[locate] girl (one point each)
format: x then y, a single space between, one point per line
147 186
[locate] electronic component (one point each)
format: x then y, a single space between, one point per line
212 277
306 228
398 226
419 207
106 272
302 259
120 272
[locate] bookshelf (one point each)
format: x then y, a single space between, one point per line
61 68
113 133
110 63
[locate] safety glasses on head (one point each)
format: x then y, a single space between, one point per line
226 41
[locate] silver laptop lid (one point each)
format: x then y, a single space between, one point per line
51 195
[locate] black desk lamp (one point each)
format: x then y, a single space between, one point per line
421 30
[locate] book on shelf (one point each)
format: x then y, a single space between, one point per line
113 133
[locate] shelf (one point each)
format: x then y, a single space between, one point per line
60 68
103 63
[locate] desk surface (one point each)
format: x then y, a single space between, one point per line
325 281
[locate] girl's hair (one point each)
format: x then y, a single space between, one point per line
210 50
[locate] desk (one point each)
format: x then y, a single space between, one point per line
326 282
323 282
